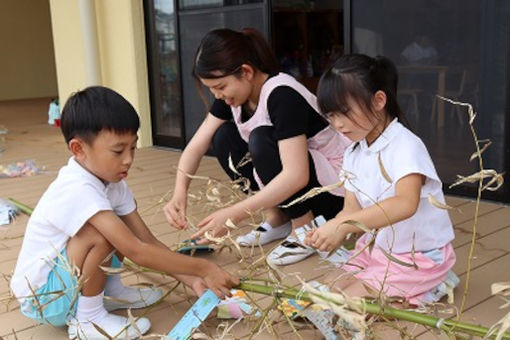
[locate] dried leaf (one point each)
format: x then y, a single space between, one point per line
231 165
384 173
102 331
314 192
471 112
358 225
503 325
112 270
437 204
230 224
500 287
475 154
400 262
498 179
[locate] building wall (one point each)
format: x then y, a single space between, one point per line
27 64
122 54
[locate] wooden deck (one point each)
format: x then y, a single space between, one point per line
152 175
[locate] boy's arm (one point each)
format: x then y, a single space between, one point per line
139 228
135 222
155 255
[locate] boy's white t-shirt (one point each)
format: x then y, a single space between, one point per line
400 153
69 202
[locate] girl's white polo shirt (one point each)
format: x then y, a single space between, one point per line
69 202
400 153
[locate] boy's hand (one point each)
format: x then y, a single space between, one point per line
326 238
175 211
196 283
219 281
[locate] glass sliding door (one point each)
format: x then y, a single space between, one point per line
196 18
459 49
163 62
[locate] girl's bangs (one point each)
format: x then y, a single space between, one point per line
332 94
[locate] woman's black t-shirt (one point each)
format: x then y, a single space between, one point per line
289 112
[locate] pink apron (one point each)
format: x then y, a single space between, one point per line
326 147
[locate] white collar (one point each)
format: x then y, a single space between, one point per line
76 167
392 130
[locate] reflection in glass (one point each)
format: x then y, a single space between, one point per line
195 4
459 49
169 120
307 36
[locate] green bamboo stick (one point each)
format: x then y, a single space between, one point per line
22 207
446 325
390 312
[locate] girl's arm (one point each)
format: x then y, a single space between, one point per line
389 211
175 210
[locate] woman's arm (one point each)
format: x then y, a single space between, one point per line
195 150
175 209
293 177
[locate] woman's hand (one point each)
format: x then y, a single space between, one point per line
215 224
175 211
327 237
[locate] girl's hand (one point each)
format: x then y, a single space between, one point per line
175 211
326 238
215 224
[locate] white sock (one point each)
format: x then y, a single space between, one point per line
114 286
266 226
90 308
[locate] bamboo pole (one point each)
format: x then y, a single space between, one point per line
22 207
386 311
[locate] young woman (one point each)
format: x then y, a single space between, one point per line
274 118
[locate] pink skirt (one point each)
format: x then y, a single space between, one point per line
394 279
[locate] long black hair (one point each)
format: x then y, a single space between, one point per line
223 51
359 77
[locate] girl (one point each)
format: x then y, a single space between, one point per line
389 179
275 119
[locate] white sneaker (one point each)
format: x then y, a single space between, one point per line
264 234
132 297
290 251
115 326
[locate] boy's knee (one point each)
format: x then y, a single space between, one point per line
95 238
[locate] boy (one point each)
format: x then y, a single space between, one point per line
87 213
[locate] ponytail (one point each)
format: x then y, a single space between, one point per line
359 77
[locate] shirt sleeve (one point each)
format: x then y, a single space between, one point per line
414 158
123 202
74 206
288 111
221 110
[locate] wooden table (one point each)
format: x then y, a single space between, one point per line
440 70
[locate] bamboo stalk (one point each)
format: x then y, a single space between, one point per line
386 311
22 207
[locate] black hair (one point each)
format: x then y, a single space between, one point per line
222 52
359 77
97 108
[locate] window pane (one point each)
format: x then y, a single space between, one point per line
169 120
196 4
459 49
